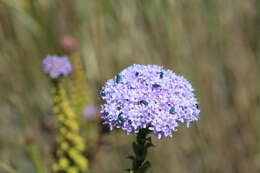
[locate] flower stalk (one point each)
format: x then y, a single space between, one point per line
140 148
34 155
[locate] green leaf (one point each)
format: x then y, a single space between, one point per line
118 79
144 167
130 157
148 145
149 139
144 102
128 170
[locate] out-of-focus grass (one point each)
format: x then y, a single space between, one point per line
215 44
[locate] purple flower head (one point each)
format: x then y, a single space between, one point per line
56 66
90 112
147 96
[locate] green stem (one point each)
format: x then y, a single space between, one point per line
32 149
140 147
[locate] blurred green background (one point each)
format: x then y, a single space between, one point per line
213 43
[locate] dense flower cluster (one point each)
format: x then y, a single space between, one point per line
147 96
56 66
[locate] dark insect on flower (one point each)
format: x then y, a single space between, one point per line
172 110
118 78
103 93
197 106
121 116
161 74
144 102
136 73
156 85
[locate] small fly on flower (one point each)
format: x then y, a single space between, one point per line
121 116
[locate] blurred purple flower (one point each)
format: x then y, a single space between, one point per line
147 96
90 112
56 66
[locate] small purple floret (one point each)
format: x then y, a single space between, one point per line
90 112
148 97
56 66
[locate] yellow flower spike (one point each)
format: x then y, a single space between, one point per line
72 153
64 146
61 118
59 138
63 163
56 109
55 167
56 99
79 144
72 170
62 92
63 130
70 114
72 124
65 105
60 153
69 136
79 159
70 144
